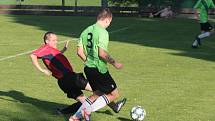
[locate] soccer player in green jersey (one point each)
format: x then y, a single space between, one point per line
93 50
206 29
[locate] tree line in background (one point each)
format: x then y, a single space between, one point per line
141 3
156 3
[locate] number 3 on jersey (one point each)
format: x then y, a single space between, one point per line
89 40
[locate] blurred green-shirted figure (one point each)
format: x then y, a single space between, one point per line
201 12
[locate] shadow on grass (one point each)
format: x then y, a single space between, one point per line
174 34
44 106
124 119
107 112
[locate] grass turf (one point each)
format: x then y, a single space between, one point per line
162 73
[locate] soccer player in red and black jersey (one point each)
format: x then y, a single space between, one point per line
59 67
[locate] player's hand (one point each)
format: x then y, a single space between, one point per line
46 72
118 65
66 44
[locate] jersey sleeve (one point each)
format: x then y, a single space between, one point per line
103 40
40 52
197 5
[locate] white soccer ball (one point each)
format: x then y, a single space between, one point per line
138 113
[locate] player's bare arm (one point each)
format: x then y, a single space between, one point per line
37 65
105 56
80 53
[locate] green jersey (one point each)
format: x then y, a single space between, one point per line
91 39
203 6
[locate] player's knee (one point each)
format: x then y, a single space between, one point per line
93 97
115 94
81 98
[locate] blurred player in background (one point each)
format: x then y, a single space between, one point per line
164 13
201 14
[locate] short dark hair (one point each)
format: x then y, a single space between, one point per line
104 13
46 36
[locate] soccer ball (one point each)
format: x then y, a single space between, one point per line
137 113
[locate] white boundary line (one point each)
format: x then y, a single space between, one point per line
25 53
28 52
13 56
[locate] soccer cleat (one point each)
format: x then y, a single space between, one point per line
120 104
197 42
194 46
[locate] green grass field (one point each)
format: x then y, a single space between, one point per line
51 2
162 73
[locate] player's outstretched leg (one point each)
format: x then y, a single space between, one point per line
85 114
197 42
83 110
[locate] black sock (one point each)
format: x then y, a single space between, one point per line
113 105
71 109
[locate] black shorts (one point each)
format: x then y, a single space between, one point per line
98 81
72 84
206 26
